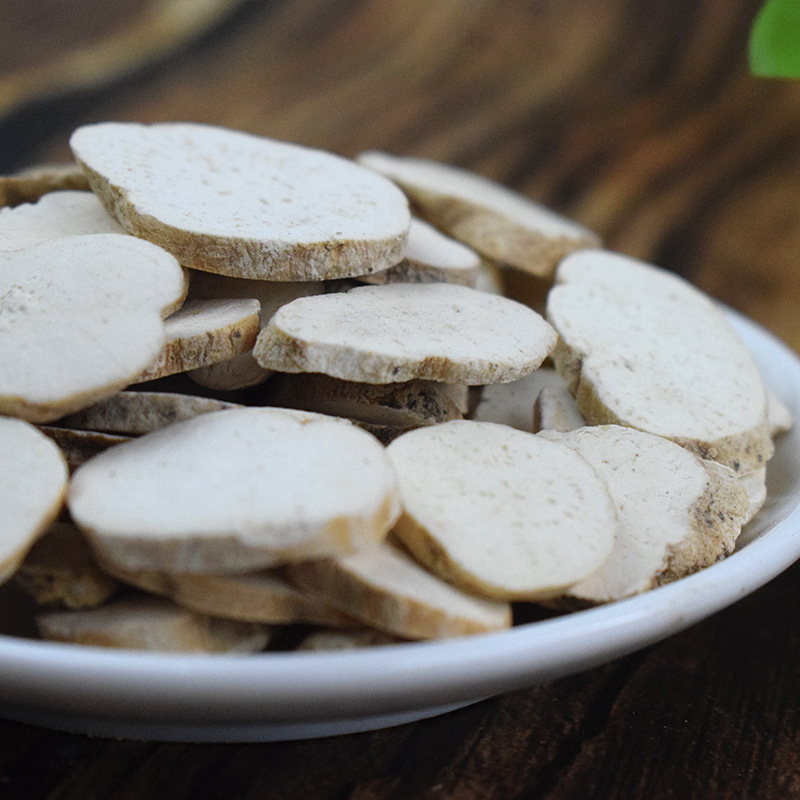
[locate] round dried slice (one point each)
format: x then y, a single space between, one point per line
238 204
33 480
398 332
431 257
30 184
501 512
387 590
80 318
642 347
497 221
236 491
152 623
677 513
56 214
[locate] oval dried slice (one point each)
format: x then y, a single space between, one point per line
33 480
398 332
642 347
677 513
235 491
152 623
501 512
497 221
387 590
238 204
80 318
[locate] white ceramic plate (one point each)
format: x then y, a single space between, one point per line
299 695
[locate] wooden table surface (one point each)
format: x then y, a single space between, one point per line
635 117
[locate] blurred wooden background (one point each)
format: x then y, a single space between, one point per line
635 117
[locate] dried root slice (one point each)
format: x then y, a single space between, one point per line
400 405
33 481
399 332
515 403
779 416
495 220
500 512
431 257
755 484
243 371
677 513
80 318
60 569
387 590
151 623
205 332
642 347
29 185
230 202
555 409
251 597
136 412
54 215
236 491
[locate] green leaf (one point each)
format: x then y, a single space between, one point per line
775 40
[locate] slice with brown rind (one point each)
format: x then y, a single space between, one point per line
387 590
497 221
431 257
262 596
399 332
80 318
151 623
642 347
54 215
133 413
236 491
677 513
500 512
78 446
204 332
327 640
33 481
28 185
231 202
400 405
60 569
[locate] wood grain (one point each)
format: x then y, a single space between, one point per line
638 119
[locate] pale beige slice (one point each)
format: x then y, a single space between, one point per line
30 184
501 512
80 318
494 219
204 332
230 202
399 332
387 590
151 623
33 481
132 413
555 409
513 403
755 484
397 404
242 371
236 491
57 214
60 569
677 513
261 596
431 257
640 346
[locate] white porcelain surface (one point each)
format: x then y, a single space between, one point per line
299 695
